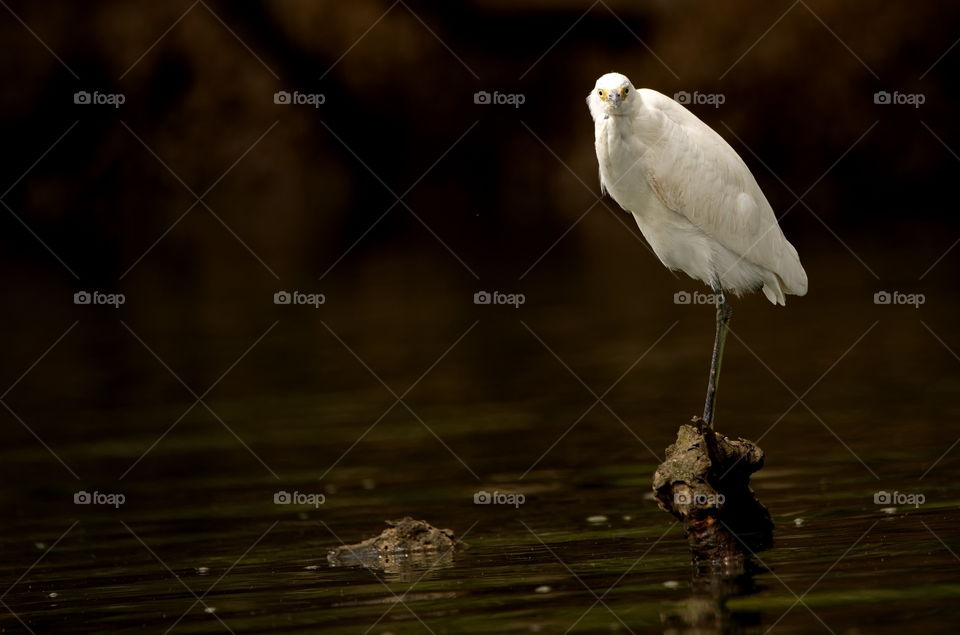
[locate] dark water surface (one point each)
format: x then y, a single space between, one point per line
846 397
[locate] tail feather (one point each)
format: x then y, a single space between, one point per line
774 293
790 272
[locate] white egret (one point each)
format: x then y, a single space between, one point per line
694 199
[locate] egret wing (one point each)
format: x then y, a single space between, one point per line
696 173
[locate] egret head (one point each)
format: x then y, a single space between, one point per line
612 95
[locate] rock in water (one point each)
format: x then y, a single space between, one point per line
404 542
705 483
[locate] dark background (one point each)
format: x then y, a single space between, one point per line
798 99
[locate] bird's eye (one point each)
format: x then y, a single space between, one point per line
625 91
600 92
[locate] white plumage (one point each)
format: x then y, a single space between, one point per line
693 197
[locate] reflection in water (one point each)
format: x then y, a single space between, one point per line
397 599
705 612
405 566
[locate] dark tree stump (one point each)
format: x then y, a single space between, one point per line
705 483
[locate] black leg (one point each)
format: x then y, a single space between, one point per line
723 321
